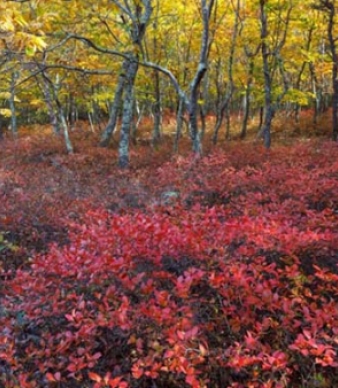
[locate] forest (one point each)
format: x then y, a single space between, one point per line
169 194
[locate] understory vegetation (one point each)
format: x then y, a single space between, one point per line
218 271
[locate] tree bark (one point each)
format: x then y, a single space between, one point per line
335 102
138 15
247 103
12 105
64 125
49 102
127 115
192 106
269 69
60 111
317 91
330 5
1 129
157 105
179 122
223 108
114 112
268 107
157 111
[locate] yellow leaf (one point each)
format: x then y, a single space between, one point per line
7 25
20 20
5 95
36 102
39 43
5 112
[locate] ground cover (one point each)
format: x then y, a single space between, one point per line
218 272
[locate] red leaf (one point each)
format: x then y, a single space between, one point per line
50 377
57 376
95 377
181 335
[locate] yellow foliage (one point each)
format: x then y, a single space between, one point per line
5 112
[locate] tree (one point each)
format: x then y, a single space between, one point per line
272 60
113 56
224 103
191 97
329 8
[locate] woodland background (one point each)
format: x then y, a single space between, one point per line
168 191
67 60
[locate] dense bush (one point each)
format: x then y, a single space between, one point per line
231 284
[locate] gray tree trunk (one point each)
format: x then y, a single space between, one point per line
114 112
157 111
247 103
1 129
223 106
49 102
335 102
64 125
136 119
301 72
191 100
137 15
267 52
331 9
179 123
192 106
127 115
227 123
269 112
204 105
157 105
317 91
14 124
71 111
60 111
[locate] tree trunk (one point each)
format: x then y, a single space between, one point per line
63 121
90 119
157 111
204 105
265 131
157 105
127 115
220 110
1 129
247 104
302 69
61 115
227 123
335 102
203 120
193 125
195 83
114 112
49 102
272 51
71 114
179 123
317 91
330 5
136 112
12 105
224 105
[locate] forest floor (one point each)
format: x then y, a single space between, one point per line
241 227
42 186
